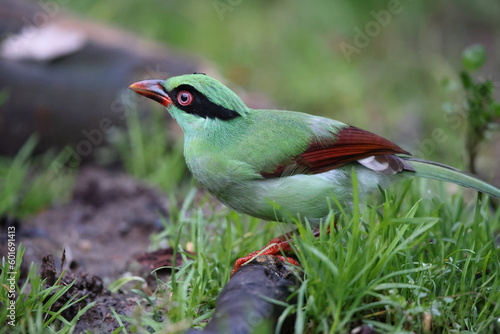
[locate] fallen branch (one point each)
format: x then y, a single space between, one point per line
246 305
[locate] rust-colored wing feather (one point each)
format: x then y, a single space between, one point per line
350 144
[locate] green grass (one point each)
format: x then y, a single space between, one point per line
407 261
29 184
36 310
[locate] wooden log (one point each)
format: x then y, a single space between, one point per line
245 306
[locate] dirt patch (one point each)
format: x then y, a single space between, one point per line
104 229
109 219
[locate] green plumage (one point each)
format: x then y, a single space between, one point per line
437 171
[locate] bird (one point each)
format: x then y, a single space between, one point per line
281 165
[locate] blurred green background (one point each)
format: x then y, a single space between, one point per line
398 80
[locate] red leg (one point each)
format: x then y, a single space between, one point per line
274 247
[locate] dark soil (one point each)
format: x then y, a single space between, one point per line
109 219
102 233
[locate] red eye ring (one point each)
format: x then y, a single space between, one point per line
184 98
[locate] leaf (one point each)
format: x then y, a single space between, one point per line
466 80
474 57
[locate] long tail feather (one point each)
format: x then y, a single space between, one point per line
437 171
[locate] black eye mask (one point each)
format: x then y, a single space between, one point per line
201 106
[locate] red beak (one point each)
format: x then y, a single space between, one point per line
152 89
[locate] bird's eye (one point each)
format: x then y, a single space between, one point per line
184 98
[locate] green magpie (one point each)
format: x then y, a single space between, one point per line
280 165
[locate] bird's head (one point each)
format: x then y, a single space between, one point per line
193 98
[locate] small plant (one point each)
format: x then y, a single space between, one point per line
483 113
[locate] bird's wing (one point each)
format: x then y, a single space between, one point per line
347 145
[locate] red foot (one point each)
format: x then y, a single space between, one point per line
275 247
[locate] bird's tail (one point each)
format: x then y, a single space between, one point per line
437 171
